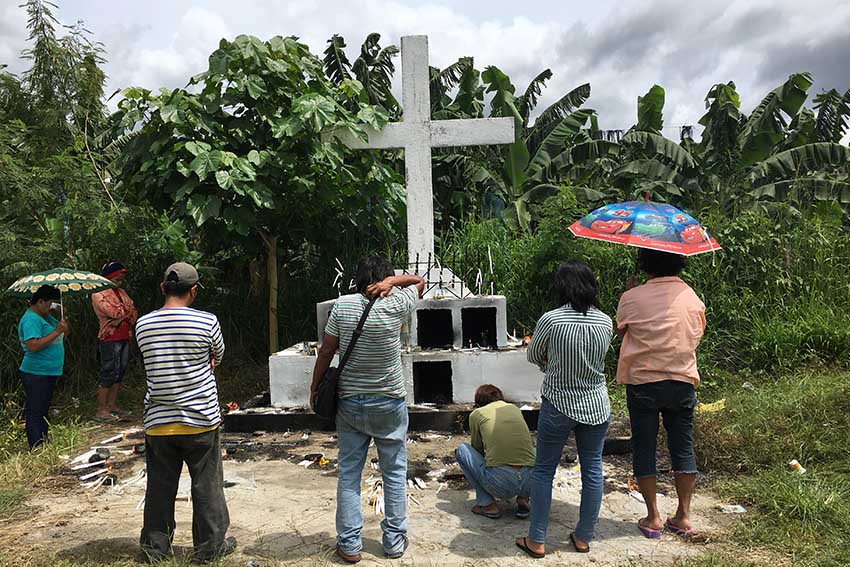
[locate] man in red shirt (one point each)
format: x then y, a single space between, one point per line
117 314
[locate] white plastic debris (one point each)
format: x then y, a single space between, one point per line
796 467
732 509
637 496
87 465
84 457
113 439
94 474
420 484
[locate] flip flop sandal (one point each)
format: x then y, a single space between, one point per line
110 419
678 531
649 532
575 545
524 546
491 515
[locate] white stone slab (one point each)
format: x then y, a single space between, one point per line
291 372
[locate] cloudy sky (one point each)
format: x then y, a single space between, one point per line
621 48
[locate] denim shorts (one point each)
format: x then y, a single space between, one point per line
675 402
114 359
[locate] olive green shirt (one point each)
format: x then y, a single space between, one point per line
500 434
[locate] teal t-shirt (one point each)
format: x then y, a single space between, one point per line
49 360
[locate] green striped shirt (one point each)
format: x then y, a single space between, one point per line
374 366
570 349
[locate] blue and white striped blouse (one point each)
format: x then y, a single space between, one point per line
570 349
177 345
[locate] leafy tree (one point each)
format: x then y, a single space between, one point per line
242 153
374 69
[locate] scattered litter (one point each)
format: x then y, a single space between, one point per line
376 498
410 483
87 465
748 386
119 437
305 436
420 484
94 474
415 501
795 466
140 504
436 473
374 464
84 458
441 486
713 407
232 406
732 509
637 496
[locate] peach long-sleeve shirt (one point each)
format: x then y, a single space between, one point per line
108 306
664 321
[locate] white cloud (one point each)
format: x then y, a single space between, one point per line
621 48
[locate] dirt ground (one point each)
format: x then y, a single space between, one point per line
283 513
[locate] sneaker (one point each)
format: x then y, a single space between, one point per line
228 546
399 554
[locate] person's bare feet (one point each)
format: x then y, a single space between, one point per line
681 523
651 523
532 545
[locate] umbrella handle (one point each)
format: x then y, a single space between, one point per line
61 307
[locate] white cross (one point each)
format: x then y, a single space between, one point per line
417 135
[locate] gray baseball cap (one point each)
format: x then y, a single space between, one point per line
182 273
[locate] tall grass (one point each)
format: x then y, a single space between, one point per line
803 416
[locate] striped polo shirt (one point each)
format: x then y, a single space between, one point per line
570 349
374 366
177 345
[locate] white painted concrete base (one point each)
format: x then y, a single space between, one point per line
291 371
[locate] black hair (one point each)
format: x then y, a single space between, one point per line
372 269
45 292
175 288
576 285
660 264
487 394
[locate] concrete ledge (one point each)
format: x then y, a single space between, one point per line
452 420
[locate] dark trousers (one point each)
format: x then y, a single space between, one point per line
165 456
114 358
38 391
675 401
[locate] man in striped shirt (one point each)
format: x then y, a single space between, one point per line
371 405
180 348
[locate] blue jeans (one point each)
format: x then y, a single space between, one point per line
503 482
359 420
38 392
553 429
676 402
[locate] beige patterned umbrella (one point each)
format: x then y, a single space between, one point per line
63 279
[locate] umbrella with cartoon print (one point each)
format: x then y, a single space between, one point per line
63 279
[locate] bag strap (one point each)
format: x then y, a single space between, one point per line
357 332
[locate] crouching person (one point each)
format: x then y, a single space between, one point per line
180 348
499 460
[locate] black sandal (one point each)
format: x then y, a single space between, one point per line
524 546
575 545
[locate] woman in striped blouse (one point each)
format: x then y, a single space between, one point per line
569 346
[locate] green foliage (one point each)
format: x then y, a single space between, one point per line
801 416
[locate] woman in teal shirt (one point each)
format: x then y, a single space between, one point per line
41 337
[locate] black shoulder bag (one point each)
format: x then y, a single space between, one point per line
327 391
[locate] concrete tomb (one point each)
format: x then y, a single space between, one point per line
454 341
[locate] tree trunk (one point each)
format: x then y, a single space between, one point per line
270 242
